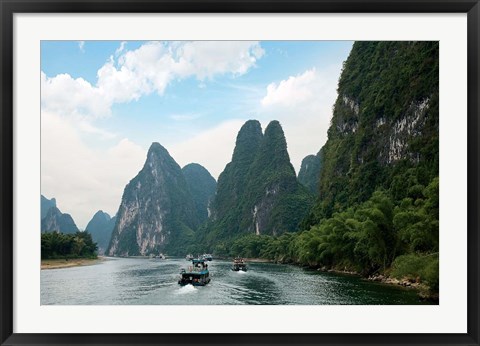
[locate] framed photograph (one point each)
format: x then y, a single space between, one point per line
239 173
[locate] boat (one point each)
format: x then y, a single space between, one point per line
239 265
189 257
207 256
196 275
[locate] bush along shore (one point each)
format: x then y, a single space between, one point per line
68 246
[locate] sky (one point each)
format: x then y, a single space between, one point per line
104 102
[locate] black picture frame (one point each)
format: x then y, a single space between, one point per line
9 7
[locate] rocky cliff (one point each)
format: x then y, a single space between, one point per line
157 212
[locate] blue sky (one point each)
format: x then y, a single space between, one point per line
105 102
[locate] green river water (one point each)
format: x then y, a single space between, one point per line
127 281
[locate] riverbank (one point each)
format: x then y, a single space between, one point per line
68 263
338 271
422 289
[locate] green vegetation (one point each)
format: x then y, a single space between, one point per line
418 267
56 245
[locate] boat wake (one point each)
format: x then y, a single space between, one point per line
241 272
187 289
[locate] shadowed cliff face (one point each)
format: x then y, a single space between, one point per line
309 174
202 187
258 191
157 212
101 227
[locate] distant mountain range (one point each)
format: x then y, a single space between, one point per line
101 227
372 141
53 220
258 192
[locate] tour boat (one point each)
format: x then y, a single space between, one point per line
207 256
239 265
196 275
189 257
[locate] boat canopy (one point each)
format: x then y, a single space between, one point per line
195 274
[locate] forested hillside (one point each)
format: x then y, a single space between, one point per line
257 193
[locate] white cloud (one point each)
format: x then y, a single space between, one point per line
75 97
303 104
82 179
81 46
121 48
205 59
212 148
289 92
148 69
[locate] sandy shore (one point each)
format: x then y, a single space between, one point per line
75 262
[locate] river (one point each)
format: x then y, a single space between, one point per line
132 281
